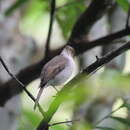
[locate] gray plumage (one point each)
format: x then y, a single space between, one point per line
52 68
57 71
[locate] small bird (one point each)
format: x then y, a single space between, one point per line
57 71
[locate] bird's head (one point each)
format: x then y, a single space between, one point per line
68 50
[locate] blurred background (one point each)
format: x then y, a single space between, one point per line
23 32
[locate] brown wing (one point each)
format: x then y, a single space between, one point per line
52 68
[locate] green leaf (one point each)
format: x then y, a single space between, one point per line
124 4
104 128
59 127
66 16
127 106
32 117
122 120
115 80
16 5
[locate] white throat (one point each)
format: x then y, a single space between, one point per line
66 54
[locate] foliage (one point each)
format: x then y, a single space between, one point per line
124 4
16 5
122 120
66 17
105 128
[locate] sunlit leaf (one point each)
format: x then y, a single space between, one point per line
127 106
114 80
105 128
122 120
124 4
59 127
32 117
67 15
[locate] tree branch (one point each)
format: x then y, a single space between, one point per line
52 12
89 17
32 72
81 46
128 16
21 85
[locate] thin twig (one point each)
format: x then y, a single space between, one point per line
52 12
108 115
21 85
107 58
63 122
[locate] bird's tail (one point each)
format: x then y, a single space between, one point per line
38 97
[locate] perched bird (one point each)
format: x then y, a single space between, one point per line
57 71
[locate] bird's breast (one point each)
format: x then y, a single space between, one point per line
64 75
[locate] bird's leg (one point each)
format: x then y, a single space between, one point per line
55 89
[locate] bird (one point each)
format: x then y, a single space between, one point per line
57 71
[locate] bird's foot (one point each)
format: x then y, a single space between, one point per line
56 89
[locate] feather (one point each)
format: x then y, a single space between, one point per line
38 97
52 68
